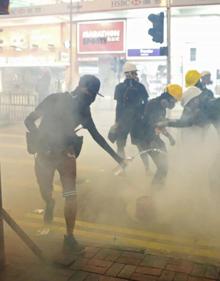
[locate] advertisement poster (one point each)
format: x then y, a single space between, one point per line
101 37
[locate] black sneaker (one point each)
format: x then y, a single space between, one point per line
71 245
48 212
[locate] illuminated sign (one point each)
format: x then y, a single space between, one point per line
101 37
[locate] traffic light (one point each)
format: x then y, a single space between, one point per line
156 31
163 51
4 5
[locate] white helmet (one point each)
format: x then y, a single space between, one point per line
129 67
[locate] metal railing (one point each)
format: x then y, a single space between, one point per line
15 108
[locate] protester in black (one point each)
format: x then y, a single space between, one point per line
147 134
57 145
131 97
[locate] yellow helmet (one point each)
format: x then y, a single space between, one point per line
175 91
192 77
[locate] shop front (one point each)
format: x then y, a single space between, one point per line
33 63
101 51
103 46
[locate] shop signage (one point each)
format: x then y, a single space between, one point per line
143 52
193 3
128 4
101 37
87 6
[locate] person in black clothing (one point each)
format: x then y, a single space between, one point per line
131 97
147 135
57 149
196 102
205 81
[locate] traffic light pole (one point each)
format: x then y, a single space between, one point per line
168 42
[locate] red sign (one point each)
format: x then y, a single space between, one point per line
101 37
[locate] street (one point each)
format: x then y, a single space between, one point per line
181 218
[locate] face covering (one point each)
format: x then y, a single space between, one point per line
86 98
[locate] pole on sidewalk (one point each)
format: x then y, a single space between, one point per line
2 242
24 237
168 42
17 229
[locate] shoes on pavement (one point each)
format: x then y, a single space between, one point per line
70 245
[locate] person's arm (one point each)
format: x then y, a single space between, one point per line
119 104
168 135
90 126
145 93
180 123
36 114
30 121
187 120
118 111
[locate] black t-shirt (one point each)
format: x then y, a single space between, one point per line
60 115
131 97
153 113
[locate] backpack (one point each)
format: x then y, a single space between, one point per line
130 94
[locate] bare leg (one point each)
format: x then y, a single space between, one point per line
70 210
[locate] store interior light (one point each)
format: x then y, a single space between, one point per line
35 46
67 44
16 48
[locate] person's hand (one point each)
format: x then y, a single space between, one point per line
157 131
122 165
125 161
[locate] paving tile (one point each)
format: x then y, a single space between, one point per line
199 270
78 264
127 271
191 278
143 277
180 276
155 261
148 270
79 276
113 255
102 254
167 275
92 277
129 254
212 272
115 269
180 266
108 278
90 252
128 260
100 263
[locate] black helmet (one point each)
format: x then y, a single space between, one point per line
91 83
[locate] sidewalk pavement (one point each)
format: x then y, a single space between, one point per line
102 263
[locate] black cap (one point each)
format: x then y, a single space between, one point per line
91 83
